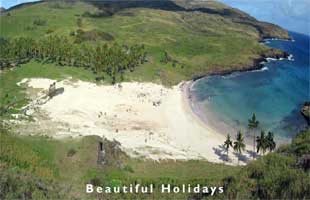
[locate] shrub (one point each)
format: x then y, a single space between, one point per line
79 22
71 152
97 14
128 168
96 181
39 22
92 35
72 33
29 28
49 31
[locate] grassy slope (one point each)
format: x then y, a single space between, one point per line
41 167
202 43
49 161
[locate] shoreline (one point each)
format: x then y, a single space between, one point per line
209 120
258 64
203 113
147 119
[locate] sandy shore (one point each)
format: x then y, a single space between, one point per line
149 120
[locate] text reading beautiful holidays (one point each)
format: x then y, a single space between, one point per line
164 188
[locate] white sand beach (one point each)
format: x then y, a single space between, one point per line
149 120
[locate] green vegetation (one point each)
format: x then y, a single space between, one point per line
227 144
253 125
39 167
280 175
114 60
92 35
60 169
212 39
265 143
239 144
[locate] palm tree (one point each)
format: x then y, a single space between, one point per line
271 145
262 143
228 144
253 124
239 145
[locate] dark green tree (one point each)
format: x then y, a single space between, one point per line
252 125
262 143
271 144
227 144
239 144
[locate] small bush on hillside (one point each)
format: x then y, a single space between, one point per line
96 181
92 35
71 152
72 33
79 22
128 168
39 22
49 31
29 28
97 14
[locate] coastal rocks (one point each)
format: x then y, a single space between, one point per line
256 64
305 111
275 53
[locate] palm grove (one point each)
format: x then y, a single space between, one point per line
262 143
113 59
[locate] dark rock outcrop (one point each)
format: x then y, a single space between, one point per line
255 65
304 162
305 111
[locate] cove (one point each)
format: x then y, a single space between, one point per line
275 93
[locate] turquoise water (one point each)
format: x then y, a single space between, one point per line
275 93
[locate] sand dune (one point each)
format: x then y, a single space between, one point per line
149 120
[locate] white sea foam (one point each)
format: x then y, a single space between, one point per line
271 59
291 57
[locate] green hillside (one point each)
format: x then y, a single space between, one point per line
183 39
40 168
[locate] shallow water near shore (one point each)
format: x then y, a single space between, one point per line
274 93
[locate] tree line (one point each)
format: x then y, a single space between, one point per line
262 143
113 60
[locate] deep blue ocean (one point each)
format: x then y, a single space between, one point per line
274 93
